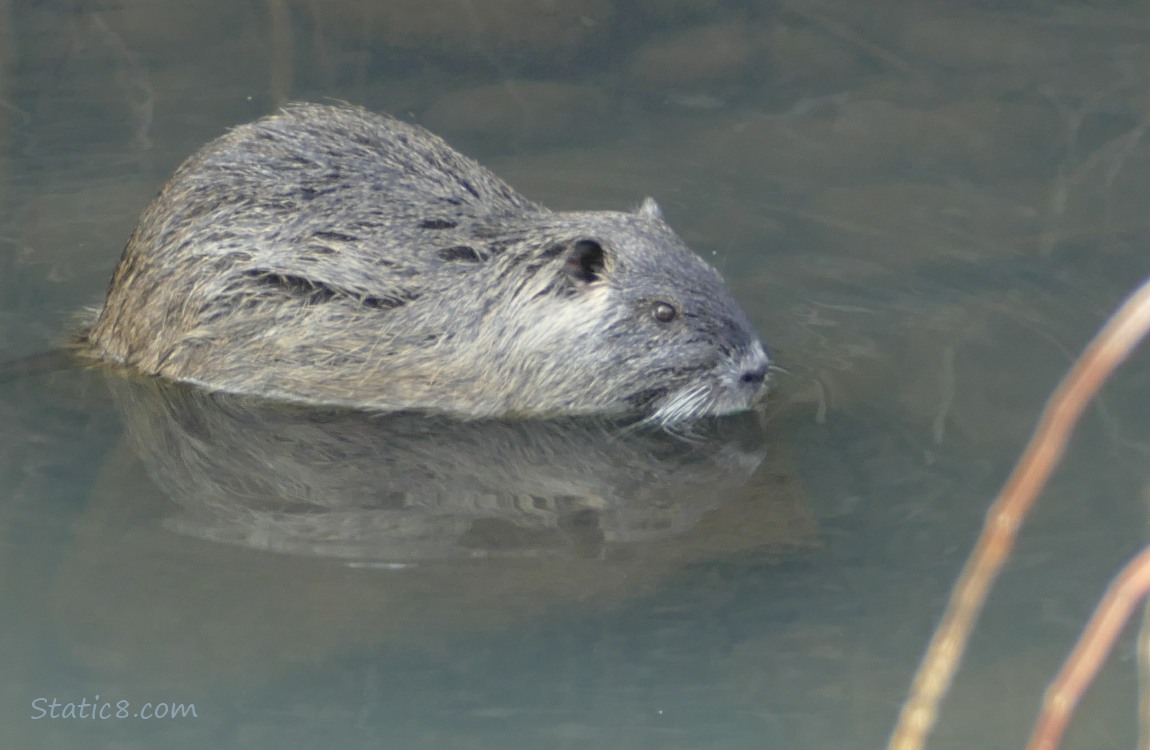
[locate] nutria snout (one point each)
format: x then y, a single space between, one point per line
329 255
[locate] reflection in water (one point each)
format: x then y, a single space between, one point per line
413 487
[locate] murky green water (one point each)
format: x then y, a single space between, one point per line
925 209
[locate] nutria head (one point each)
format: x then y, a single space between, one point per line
614 312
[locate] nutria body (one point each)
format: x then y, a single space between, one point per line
328 255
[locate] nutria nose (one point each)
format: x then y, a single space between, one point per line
756 375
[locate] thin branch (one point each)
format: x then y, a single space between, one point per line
1108 349
1090 652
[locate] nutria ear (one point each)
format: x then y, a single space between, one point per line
584 262
650 209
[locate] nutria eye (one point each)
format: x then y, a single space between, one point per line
664 312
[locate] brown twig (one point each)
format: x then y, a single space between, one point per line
1090 652
1144 681
1108 349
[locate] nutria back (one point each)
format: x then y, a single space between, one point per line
329 255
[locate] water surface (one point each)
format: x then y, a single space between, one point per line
926 211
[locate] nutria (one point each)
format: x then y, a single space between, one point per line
331 256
